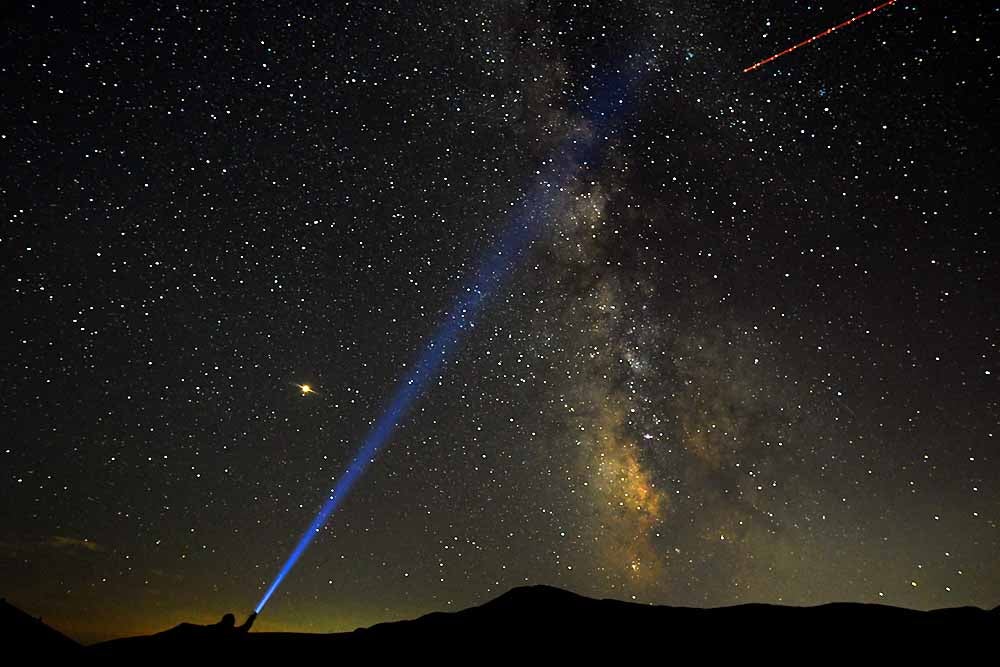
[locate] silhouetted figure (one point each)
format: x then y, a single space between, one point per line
227 623
227 626
247 623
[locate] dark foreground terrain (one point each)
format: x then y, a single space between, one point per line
531 621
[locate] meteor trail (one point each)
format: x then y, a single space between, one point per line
818 36
602 110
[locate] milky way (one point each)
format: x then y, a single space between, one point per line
750 356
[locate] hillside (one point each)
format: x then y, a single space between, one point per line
544 620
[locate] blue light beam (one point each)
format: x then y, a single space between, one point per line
600 114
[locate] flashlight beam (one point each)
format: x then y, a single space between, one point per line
818 36
498 264
547 193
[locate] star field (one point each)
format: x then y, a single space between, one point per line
751 356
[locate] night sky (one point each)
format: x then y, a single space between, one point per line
750 354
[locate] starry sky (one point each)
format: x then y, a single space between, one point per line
749 355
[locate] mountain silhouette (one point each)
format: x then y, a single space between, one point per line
22 634
535 620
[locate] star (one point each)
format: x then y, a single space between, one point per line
305 389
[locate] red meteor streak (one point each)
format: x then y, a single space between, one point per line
819 36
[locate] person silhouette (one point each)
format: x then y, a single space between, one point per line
247 623
227 626
227 623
